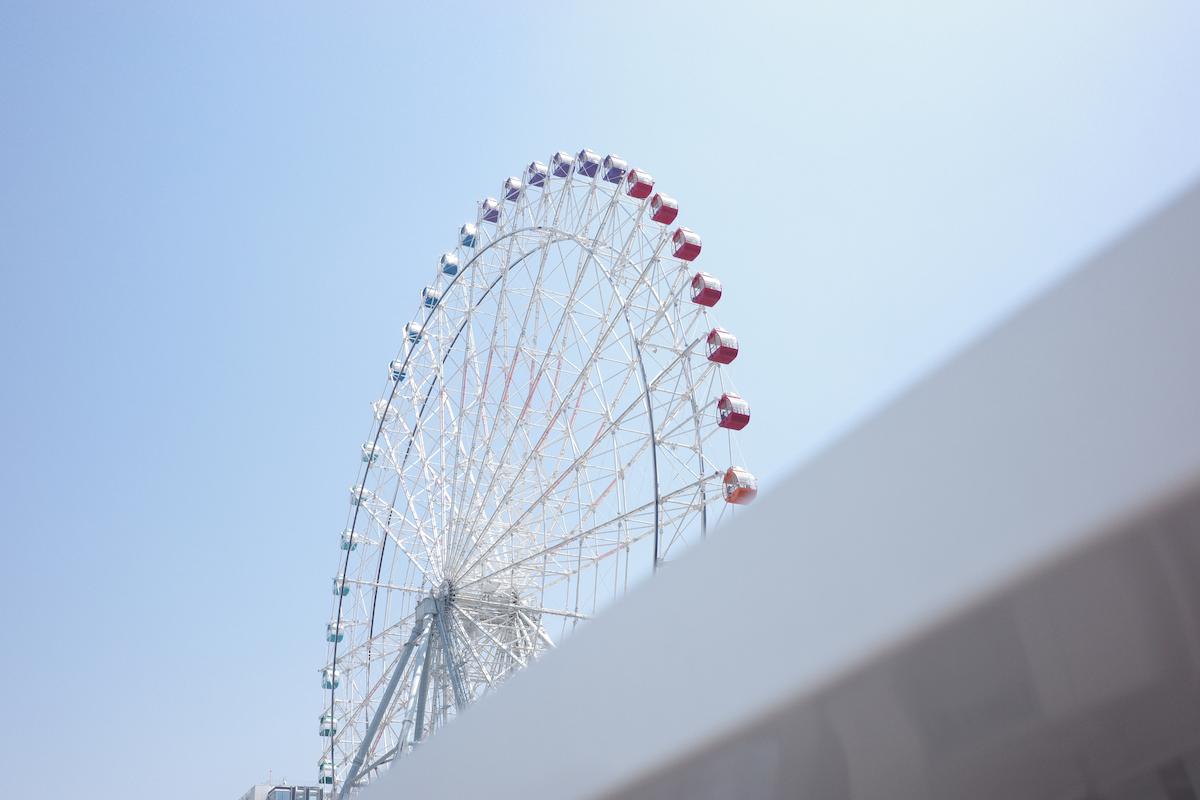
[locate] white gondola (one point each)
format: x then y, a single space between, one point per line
383 409
615 168
330 678
397 371
535 174
340 589
328 724
413 331
512 189
335 631
430 297
561 164
468 234
358 495
349 540
587 163
325 771
370 452
448 264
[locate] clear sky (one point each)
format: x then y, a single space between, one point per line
216 218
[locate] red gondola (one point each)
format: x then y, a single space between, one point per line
733 412
686 243
639 183
739 486
722 346
663 208
706 290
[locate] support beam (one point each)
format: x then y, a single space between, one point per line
386 757
460 694
423 691
426 608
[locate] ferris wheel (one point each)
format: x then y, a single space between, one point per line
558 424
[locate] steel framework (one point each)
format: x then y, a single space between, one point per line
548 435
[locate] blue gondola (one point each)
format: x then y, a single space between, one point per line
489 210
587 163
512 189
535 174
615 168
561 164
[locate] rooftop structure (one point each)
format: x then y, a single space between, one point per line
279 791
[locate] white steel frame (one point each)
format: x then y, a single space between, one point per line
554 438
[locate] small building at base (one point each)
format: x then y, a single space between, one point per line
284 791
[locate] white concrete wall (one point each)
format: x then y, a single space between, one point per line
988 590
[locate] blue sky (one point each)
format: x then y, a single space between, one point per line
215 220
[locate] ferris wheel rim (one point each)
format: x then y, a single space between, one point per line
560 236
